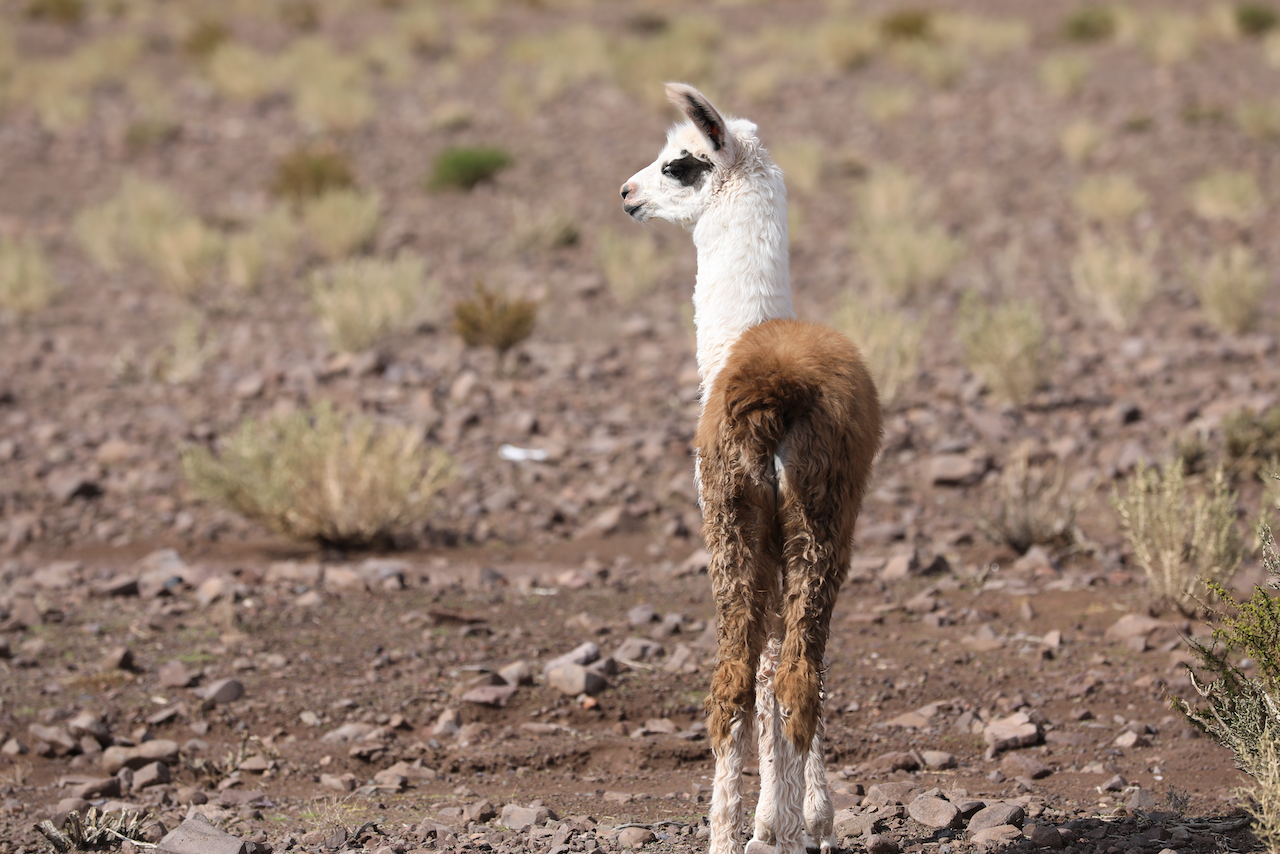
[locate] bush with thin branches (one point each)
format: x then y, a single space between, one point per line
1187 545
317 475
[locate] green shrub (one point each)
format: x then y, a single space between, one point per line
1243 712
494 320
1090 24
1255 19
316 475
907 25
311 171
463 168
1187 546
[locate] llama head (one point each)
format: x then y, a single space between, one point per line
700 151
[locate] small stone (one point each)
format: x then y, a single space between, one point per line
174 674
574 679
851 822
517 673
1131 626
955 470
995 838
87 723
520 818
490 695
341 579
878 843
1116 783
1022 765
480 811
636 837
70 484
582 654
938 760
997 815
1129 738
638 649
1016 730
255 764
447 724
223 691
117 658
1142 799
1044 836
197 836
105 787
61 741
341 783
642 615
152 774
933 812
159 750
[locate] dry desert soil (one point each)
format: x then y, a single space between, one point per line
309 698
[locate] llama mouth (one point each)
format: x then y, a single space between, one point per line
631 210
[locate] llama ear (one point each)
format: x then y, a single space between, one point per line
703 114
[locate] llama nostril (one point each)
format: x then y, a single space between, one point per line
626 189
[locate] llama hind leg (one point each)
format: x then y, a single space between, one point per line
726 791
766 724
818 811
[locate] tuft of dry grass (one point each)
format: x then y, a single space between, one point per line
60 90
566 58
187 255
688 50
205 37
535 229
889 337
266 248
362 300
1259 119
1227 195
341 222
907 24
330 90
885 104
1262 799
938 63
240 73
1032 507
1090 23
982 35
1181 540
317 475
310 171
1109 198
847 44
1114 277
191 347
26 285
901 254
1231 287
1063 74
1005 345
631 264
65 12
1169 38
490 319
1079 140
801 162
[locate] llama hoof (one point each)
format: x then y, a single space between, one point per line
759 846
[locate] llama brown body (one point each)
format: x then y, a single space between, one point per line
785 445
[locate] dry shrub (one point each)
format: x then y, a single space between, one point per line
362 300
495 320
566 58
186 254
849 43
310 171
1231 287
902 255
631 264
1170 37
330 90
1090 24
982 35
60 90
1255 19
1116 278
801 162
268 247
938 63
26 285
65 12
1063 74
1079 140
535 229
885 104
909 24
1032 507
1004 345
341 222
318 476
205 37
686 50
889 337
1227 195
1187 545
1109 198
241 73
191 347
1252 436
146 222
1259 119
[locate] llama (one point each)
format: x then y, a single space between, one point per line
789 429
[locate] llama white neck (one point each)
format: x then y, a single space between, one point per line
744 277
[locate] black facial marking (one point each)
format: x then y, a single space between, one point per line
706 122
688 170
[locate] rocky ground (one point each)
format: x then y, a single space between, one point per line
160 652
